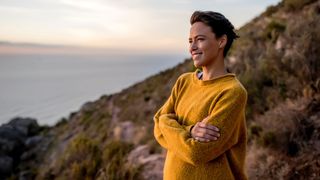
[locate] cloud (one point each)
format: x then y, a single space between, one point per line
110 23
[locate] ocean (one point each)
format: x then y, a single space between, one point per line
50 87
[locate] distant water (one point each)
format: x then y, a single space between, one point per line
49 87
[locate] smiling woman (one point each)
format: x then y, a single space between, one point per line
202 124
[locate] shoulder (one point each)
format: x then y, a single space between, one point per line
234 88
185 78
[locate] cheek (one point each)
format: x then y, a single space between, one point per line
211 48
206 46
190 48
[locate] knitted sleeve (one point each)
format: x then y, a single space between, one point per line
167 108
227 115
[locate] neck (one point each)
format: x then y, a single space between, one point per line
214 69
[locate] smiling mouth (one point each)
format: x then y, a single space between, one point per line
196 54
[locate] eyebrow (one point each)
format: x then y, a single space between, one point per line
200 35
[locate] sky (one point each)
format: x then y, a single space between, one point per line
136 25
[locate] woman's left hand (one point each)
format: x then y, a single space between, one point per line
205 132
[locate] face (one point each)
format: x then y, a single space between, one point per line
204 46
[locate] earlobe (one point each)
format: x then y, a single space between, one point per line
222 41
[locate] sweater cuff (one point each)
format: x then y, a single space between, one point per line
188 128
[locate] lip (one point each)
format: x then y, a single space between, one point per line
195 53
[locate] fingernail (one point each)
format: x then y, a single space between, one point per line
218 135
214 138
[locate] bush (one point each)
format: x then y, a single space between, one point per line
81 159
270 10
273 30
61 122
292 5
268 139
114 159
255 130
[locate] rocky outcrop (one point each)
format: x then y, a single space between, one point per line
152 163
16 139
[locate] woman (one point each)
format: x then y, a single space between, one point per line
202 124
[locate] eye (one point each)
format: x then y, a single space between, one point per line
190 41
200 39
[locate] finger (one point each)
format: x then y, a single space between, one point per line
209 126
213 133
209 137
206 139
205 133
206 136
208 131
200 139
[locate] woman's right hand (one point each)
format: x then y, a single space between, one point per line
205 132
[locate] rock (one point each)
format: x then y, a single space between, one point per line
26 175
33 141
6 166
15 140
124 131
153 168
11 141
128 132
152 164
88 107
138 154
27 126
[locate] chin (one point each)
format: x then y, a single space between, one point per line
197 64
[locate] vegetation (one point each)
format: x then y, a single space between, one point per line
283 88
276 59
114 157
81 159
293 5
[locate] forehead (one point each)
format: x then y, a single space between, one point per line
199 28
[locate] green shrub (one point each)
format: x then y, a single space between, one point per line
292 5
61 122
114 158
81 159
273 30
270 10
268 139
255 130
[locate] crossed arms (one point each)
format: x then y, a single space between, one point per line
227 116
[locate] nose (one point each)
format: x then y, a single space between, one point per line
193 46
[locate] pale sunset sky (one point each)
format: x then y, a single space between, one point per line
138 25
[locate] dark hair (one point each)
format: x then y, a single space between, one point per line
219 24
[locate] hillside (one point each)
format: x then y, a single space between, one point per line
277 60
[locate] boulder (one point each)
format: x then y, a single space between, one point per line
6 166
33 141
27 126
152 163
11 141
16 139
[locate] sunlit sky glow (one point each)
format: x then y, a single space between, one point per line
155 25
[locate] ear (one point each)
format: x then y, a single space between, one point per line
223 41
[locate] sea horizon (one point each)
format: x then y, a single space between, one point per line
50 87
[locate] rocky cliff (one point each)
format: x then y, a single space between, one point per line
277 60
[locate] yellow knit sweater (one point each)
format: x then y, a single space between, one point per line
223 99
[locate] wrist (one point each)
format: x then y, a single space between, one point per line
191 129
